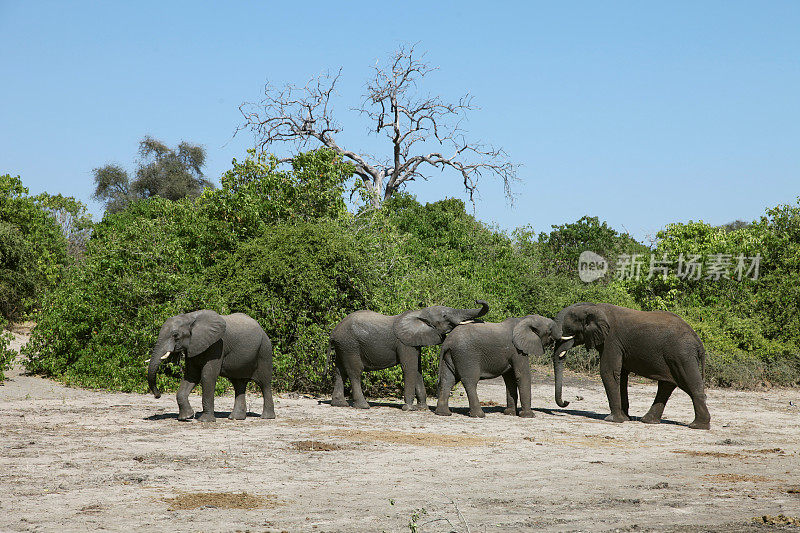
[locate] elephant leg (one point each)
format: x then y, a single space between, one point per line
263 378
447 379
419 389
355 384
690 380
185 411
623 392
611 373
522 375
702 418
471 386
653 416
409 363
337 397
208 378
190 380
240 402
511 393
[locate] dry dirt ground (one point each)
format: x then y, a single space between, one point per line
81 460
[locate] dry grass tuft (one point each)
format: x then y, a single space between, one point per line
778 520
736 478
314 446
718 455
221 500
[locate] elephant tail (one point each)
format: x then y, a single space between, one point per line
701 354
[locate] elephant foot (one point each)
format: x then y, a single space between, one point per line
207 417
237 416
268 415
185 417
700 425
339 402
527 414
510 411
477 414
361 405
443 411
617 418
414 407
649 419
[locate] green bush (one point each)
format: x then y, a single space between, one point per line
282 247
299 281
33 249
7 355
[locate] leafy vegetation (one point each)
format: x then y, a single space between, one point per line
33 247
7 355
162 172
283 247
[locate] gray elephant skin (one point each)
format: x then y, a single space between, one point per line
232 346
366 340
486 350
655 344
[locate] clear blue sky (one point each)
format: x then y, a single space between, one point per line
639 113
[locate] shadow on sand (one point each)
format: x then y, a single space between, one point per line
218 414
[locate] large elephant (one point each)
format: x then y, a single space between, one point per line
654 344
232 346
486 350
366 340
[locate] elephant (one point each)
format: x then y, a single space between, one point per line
366 340
486 350
655 344
232 346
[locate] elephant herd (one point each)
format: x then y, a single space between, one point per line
655 344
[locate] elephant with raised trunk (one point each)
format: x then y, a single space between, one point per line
232 346
486 350
366 340
654 344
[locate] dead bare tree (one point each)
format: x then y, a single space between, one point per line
423 131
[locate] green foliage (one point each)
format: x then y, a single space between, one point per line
158 258
299 281
162 172
73 218
7 355
33 249
561 247
281 246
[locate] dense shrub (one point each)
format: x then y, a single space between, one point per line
299 281
33 249
7 355
282 247
152 260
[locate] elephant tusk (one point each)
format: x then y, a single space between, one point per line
166 355
562 355
567 338
466 322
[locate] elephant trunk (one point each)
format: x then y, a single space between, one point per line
472 314
160 352
559 354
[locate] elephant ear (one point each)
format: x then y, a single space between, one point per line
526 335
596 328
413 329
207 328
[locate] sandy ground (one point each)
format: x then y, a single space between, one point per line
80 460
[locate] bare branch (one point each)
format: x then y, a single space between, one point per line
413 124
